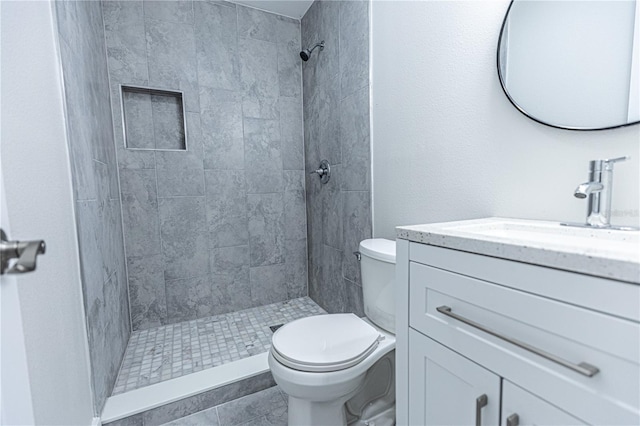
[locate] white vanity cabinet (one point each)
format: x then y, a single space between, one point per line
520 407
450 389
447 388
486 340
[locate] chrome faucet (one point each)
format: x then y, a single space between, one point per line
585 189
598 191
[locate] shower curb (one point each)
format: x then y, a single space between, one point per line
173 399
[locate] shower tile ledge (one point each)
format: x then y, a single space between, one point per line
153 396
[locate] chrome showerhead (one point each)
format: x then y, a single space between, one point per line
306 53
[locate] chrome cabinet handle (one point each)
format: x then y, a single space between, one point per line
481 401
513 420
582 368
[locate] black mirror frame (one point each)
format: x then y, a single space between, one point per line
519 108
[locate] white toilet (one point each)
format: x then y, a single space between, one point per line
339 369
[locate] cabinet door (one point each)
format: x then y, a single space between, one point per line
446 388
520 407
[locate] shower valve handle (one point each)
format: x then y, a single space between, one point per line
320 172
324 171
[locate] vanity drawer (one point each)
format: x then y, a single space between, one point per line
568 332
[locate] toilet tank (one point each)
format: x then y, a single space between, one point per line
378 270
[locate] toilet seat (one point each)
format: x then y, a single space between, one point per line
324 343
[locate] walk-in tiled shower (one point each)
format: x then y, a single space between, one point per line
191 135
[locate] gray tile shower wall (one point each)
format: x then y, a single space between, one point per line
336 128
221 226
94 175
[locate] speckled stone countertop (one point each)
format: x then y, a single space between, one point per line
600 252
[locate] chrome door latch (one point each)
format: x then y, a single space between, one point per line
25 252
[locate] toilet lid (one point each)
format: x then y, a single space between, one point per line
379 249
324 343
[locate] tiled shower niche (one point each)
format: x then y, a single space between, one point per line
158 110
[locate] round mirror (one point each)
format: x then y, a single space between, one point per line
572 64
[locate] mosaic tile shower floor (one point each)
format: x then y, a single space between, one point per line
174 350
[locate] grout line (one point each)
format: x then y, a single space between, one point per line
117 171
202 159
164 273
221 169
244 163
259 40
164 20
86 200
187 278
137 168
300 75
178 196
267 193
223 247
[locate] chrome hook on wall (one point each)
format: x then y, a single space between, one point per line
324 171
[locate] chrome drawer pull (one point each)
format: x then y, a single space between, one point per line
481 402
582 368
513 420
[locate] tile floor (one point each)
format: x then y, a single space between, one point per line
264 408
175 350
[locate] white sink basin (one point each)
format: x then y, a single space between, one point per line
601 242
600 252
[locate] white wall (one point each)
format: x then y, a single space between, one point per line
36 172
448 145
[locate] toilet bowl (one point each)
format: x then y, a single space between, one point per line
339 369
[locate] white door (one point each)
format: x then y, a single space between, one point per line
15 393
446 388
520 407
49 319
